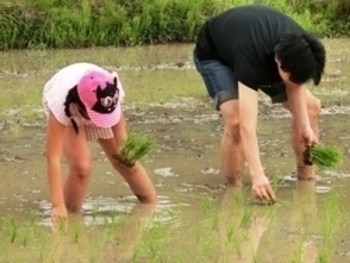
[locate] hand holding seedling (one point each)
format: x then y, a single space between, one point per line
323 156
308 136
134 148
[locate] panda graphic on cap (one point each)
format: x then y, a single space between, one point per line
99 93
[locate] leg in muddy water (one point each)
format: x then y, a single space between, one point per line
231 149
297 221
70 243
223 89
136 176
240 228
73 243
306 195
77 154
306 172
130 232
300 221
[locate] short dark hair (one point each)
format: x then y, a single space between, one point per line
303 55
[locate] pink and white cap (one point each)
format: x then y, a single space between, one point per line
99 93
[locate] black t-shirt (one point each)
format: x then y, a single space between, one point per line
244 38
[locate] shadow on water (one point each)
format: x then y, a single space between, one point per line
198 218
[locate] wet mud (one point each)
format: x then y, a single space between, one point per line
185 166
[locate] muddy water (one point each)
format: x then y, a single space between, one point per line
185 167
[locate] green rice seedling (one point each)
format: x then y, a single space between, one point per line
230 233
331 216
77 233
248 215
276 182
298 253
25 240
239 198
323 156
134 148
215 221
324 256
237 245
14 230
156 237
207 207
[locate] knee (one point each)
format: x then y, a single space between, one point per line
81 170
230 115
314 107
232 128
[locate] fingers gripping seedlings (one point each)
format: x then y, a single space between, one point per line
134 148
323 156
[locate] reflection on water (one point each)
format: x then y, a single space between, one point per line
323 189
76 242
106 210
186 171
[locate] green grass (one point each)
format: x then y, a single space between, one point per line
75 24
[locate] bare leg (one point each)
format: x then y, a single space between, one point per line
231 149
77 153
306 172
63 248
243 246
137 176
129 235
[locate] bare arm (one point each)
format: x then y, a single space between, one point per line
248 115
54 143
251 152
120 132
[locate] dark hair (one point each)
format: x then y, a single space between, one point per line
302 55
73 97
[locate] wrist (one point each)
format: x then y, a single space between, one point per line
58 205
258 174
258 178
302 125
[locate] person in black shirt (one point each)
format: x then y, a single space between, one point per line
250 48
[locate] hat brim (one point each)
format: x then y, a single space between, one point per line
105 120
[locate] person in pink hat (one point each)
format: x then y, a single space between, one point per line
83 103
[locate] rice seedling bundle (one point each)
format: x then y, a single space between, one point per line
323 156
134 148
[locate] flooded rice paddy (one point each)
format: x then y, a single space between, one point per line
198 218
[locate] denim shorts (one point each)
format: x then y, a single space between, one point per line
222 86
